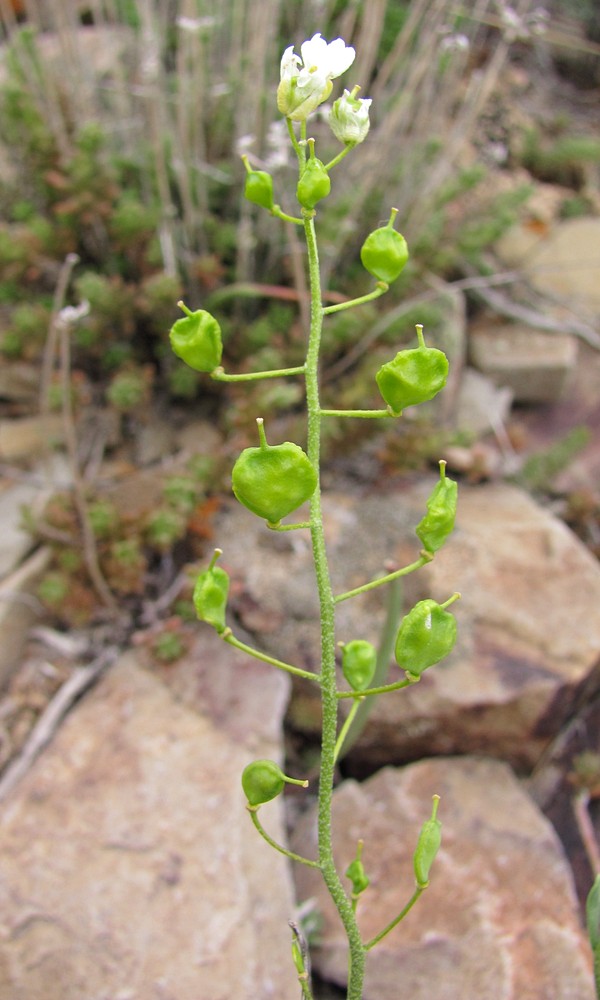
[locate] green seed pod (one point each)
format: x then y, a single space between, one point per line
314 183
273 481
298 958
210 594
258 187
427 634
414 376
263 780
428 844
196 339
356 873
384 253
438 522
359 659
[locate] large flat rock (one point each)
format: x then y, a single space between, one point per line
499 920
129 868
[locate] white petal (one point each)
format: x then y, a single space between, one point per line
339 57
289 63
314 53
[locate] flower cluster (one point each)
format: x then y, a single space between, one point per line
306 81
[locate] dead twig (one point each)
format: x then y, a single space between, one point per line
80 680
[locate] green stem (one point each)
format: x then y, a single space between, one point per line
279 847
375 294
387 641
394 923
279 214
220 376
375 414
305 987
348 722
421 561
229 637
300 147
331 877
384 689
288 527
333 163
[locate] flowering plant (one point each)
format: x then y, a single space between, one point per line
275 480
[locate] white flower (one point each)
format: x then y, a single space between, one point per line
306 82
349 118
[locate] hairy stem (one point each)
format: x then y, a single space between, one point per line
327 610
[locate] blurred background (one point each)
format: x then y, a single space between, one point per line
122 127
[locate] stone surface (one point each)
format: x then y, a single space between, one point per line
529 630
128 866
18 610
529 638
25 437
499 920
561 262
481 406
534 366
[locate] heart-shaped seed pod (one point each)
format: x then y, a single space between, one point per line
263 780
426 634
414 376
438 522
258 187
272 481
196 339
210 594
359 659
428 844
384 253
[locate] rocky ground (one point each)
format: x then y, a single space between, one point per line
129 868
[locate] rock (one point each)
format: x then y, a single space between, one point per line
481 406
561 263
529 630
529 636
129 867
15 541
28 436
499 920
18 611
534 366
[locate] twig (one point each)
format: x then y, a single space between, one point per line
524 314
49 721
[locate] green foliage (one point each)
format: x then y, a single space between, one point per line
540 469
559 160
168 646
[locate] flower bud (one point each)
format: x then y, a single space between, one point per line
384 253
349 118
426 634
196 339
438 522
210 595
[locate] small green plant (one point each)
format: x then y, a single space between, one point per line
276 480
